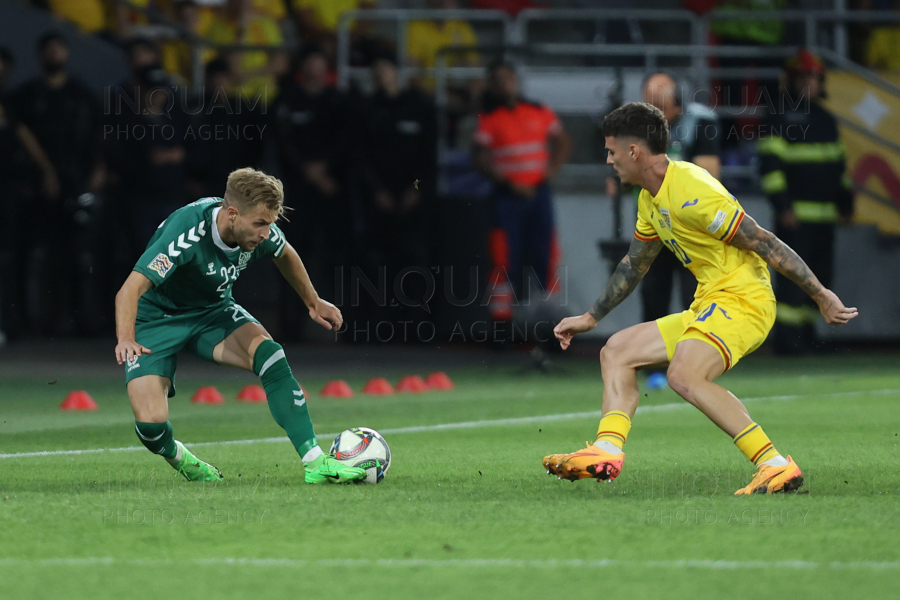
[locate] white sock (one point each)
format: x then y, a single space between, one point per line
178 456
777 461
312 454
608 447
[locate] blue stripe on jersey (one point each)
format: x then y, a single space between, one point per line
730 225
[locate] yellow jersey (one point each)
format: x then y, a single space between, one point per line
696 218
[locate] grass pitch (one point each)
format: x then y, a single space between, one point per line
466 510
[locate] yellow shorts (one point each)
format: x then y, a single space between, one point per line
733 325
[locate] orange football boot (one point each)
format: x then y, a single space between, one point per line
591 462
769 480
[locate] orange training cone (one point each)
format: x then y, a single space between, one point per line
207 395
252 393
337 389
439 381
378 386
78 400
412 383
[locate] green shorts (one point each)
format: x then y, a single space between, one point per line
166 334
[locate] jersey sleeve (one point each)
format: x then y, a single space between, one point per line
554 125
707 142
174 245
718 215
643 230
484 134
274 245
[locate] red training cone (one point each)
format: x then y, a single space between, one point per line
79 400
439 381
207 395
252 393
378 386
412 383
337 389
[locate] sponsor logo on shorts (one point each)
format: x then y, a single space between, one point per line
132 364
717 222
161 264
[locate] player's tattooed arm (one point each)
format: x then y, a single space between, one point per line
780 256
627 275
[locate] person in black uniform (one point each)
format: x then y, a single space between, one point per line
312 120
231 131
20 153
693 137
803 174
148 152
66 120
398 157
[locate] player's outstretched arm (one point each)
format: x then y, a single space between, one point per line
627 275
126 312
750 236
324 313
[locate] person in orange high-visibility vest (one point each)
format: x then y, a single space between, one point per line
520 146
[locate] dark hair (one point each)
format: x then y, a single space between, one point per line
217 66
51 36
141 42
640 120
311 50
154 75
387 57
500 64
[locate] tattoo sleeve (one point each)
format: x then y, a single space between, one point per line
627 275
750 236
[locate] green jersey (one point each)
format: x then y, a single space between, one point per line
190 266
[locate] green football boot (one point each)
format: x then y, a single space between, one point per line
326 469
195 469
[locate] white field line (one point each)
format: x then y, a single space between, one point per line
468 424
492 563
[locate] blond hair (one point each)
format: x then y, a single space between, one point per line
247 188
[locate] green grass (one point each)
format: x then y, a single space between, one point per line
467 512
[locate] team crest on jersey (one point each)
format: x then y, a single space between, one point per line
666 220
212 269
243 259
161 264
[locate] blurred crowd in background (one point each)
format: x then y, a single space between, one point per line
359 164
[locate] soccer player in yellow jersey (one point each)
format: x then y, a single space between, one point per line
684 208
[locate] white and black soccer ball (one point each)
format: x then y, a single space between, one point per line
364 448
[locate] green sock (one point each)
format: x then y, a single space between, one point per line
157 437
286 400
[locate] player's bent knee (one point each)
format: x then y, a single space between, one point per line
615 352
149 398
681 379
269 361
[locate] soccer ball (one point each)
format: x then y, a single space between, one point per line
365 448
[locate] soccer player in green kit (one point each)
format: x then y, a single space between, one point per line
179 296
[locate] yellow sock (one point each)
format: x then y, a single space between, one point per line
614 428
755 444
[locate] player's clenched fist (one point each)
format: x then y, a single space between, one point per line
326 314
569 326
128 350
